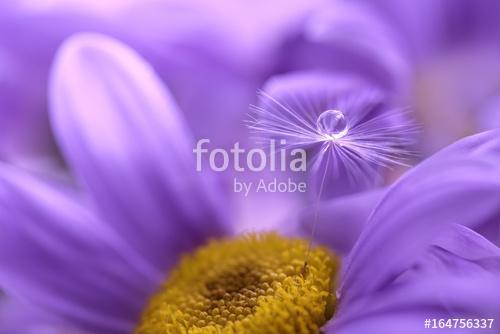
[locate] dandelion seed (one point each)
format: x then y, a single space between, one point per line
349 133
347 127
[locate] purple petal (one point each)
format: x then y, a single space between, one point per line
459 261
433 26
189 44
461 251
388 323
123 135
17 317
404 308
202 54
348 37
30 37
457 185
58 256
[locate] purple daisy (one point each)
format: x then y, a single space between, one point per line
88 262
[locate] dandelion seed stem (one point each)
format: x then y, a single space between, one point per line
316 216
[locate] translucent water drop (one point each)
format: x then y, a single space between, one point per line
332 123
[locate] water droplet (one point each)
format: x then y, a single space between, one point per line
332 123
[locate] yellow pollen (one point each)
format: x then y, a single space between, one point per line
253 284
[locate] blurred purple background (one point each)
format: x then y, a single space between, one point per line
439 59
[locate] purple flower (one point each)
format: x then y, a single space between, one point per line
91 260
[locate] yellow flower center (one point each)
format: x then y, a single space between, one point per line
249 285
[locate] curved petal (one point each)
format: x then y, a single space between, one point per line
339 221
349 37
203 55
206 65
461 251
122 134
404 308
404 318
457 185
30 37
432 26
458 277
58 256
